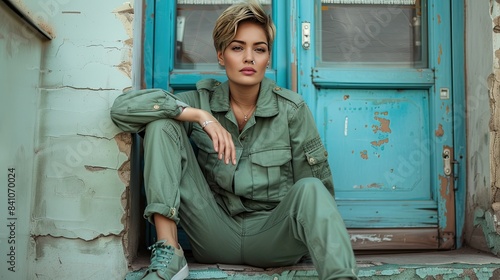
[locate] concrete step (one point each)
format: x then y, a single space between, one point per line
464 263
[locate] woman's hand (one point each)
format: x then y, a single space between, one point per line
221 138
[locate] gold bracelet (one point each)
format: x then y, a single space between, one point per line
205 123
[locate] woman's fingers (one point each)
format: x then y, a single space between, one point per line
229 149
222 141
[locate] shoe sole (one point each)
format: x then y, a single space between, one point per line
182 274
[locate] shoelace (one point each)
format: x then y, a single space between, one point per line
161 256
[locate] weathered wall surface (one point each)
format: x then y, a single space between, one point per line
20 59
482 45
79 216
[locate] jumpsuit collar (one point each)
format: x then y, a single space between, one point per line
267 103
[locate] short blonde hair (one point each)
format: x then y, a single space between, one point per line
227 24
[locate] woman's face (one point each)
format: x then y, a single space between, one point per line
248 46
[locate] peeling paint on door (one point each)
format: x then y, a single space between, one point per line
439 132
370 237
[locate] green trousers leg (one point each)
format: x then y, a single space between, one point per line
305 222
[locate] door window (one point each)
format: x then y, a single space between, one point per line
390 33
195 22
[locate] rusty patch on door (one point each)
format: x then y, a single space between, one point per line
364 154
440 131
384 125
440 54
380 142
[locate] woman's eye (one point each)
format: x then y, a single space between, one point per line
260 50
237 48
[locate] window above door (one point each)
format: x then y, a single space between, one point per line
376 33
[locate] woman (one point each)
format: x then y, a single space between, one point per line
259 191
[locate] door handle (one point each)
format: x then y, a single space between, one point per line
447 162
306 35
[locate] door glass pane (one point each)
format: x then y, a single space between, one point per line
381 33
195 21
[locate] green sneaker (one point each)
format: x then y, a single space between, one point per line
167 263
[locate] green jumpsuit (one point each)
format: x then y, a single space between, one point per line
273 207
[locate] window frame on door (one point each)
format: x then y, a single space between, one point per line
159 50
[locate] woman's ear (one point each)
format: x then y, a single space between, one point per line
220 58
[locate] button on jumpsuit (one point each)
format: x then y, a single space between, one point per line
273 207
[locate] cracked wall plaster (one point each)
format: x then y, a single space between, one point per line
81 171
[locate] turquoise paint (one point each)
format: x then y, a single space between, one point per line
389 214
367 78
459 115
149 42
372 130
208 274
486 221
305 12
281 59
449 272
164 42
440 61
349 81
377 272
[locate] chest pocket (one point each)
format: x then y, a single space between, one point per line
271 174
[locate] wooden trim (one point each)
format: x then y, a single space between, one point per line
394 239
27 17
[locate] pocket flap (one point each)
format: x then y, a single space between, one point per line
316 156
271 157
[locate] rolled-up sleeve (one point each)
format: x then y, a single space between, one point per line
133 110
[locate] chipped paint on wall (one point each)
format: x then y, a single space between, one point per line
489 220
482 64
82 158
125 14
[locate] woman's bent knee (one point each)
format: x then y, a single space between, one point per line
310 185
161 124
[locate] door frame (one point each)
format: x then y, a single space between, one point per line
157 71
449 233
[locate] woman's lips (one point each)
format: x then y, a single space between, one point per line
248 71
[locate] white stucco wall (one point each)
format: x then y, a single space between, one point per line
79 211
20 60
482 86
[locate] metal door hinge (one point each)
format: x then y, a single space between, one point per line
447 168
450 165
306 35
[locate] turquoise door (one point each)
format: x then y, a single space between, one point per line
379 79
